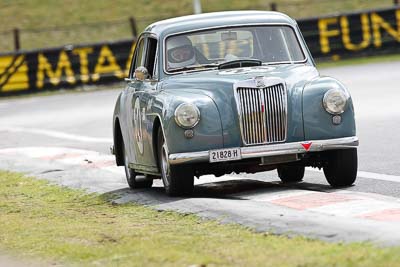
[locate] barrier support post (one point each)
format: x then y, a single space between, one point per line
17 44
133 25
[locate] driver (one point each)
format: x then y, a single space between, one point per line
180 52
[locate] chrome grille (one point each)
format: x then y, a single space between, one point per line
263 114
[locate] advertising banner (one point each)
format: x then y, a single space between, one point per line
353 35
65 67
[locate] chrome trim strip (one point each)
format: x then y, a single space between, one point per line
270 150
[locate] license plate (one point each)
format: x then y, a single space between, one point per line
225 154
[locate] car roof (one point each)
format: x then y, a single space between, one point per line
217 19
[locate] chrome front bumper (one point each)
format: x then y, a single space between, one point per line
271 150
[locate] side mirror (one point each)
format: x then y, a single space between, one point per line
141 73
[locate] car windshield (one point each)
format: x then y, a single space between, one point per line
211 48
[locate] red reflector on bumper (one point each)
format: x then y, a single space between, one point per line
307 145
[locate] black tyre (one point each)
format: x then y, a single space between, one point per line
291 174
178 180
341 167
134 180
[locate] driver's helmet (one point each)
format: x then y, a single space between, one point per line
180 52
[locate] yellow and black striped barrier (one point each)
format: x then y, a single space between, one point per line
65 67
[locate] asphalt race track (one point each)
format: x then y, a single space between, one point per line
66 138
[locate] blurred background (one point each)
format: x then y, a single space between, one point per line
50 23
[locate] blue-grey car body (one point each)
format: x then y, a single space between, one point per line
212 91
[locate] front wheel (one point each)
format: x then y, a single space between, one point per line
341 167
135 181
177 180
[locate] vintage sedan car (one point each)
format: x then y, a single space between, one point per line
230 92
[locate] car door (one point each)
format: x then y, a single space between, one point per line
134 87
147 96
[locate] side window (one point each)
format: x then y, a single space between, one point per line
138 59
151 56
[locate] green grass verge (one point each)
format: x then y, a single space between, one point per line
33 17
61 225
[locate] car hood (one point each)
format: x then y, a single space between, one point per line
214 81
218 85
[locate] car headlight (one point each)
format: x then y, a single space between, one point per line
187 115
335 101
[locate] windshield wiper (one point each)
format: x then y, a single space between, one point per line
240 63
193 67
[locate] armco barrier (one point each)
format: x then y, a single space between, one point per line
342 36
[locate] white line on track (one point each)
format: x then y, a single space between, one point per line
370 175
379 176
57 134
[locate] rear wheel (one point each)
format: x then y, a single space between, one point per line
291 174
341 168
134 180
178 180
